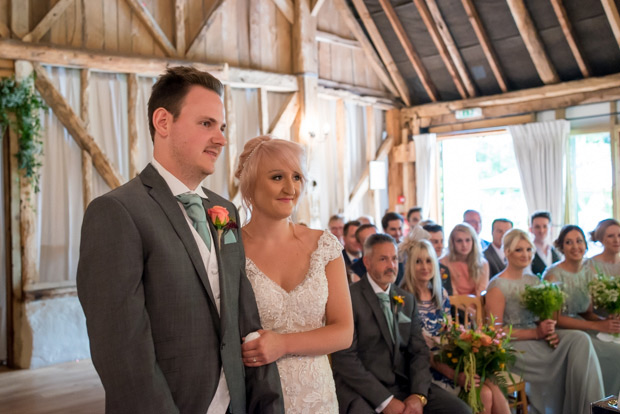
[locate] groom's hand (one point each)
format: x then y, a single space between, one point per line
269 347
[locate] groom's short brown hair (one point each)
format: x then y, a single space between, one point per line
171 88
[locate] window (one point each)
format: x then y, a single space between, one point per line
481 173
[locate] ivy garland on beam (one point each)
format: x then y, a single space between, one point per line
25 103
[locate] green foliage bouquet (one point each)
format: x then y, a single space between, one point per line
543 300
605 291
485 351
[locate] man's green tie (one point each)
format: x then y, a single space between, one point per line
196 211
384 300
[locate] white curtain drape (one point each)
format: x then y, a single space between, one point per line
540 151
145 143
356 146
425 150
59 204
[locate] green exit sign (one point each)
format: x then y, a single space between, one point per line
468 113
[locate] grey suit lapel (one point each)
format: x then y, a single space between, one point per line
373 302
162 195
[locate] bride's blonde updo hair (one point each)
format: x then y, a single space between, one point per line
266 149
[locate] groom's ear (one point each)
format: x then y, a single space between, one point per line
162 121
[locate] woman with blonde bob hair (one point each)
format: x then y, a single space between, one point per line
560 367
422 278
469 270
298 277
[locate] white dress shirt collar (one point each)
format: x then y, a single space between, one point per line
376 287
176 186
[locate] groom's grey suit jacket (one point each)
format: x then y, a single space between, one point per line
157 340
375 367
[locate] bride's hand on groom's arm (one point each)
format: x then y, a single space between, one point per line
269 347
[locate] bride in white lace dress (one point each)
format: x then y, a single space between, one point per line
298 277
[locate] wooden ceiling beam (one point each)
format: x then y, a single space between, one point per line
316 7
532 41
46 23
152 26
179 19
613 17
435 36
453 50
204 26
326 37
582 86
567 28
4 30
485 43
373 59
384 53
286 116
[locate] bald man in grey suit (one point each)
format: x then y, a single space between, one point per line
166 305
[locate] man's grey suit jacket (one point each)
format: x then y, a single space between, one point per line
157 340
375 367
496 264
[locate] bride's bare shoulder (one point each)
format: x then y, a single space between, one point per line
308 235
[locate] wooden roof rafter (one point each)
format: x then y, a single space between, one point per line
613 17
375 62
485 43
152 26
453 50
204 26
179 24
437 38
384 53
4 30
532 41
567 29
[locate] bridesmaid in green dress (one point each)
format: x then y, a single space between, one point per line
565 379
607 232
573 278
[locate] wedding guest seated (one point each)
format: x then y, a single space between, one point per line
436 239
366 219
469 271
573 278
361 234
414 216
336 226
473 218
352 251
546 254
392 224
387 368
607 232
423 281
562 378
494 253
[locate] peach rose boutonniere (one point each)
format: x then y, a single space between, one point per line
223 223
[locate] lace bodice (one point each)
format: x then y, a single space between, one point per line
515 313
307 381
575 285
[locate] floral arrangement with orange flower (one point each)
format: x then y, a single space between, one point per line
485 351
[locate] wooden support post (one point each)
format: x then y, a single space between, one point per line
20 18
28 217
231 136
132 91
87 161
613 17
395 175
285 118
179 14
614 129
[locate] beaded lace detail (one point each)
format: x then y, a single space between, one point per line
307 381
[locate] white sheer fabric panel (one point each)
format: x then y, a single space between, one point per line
425 149
59 205
540 151
107 109
356 143
145 143
380 136
3 327
326 198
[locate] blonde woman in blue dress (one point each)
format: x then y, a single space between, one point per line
298 276
573 278
562 379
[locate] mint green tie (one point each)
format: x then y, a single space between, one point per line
384 300
196 211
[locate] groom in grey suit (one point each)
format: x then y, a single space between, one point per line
164 291
387 367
